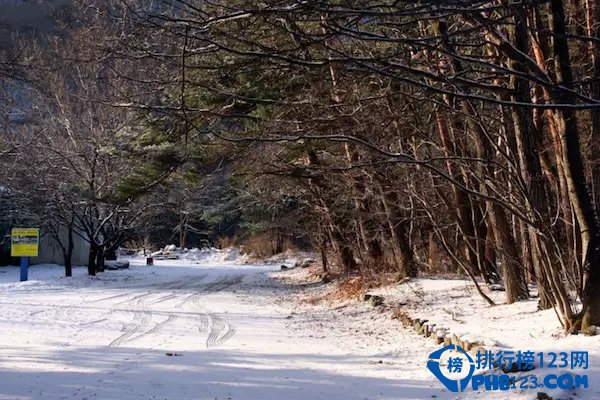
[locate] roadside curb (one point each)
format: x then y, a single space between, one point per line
437 333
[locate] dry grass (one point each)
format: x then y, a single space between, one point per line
225 242
288 245
260 246
346 289
349 288
264 246
403 317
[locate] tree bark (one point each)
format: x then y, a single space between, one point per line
92 259
341 246
100 258
515 286
527 139
579 195
462 206
68 255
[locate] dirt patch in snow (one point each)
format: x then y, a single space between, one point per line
344 290
335 289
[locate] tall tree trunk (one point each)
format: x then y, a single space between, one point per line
574 168
544 59
100 258
593 28
482 230
183 224
323 249
462 211
398 228
340 244
68 254
592 284
92 259
470 226
408 266
512 273
527 139
516 289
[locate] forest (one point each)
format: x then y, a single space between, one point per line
393 138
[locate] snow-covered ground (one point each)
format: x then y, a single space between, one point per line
182 330
109 337
455 306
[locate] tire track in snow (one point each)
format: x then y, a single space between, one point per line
142 316
168 286
157 328
180 285
140 330
94 322
140 321
219 331
193 299
164 298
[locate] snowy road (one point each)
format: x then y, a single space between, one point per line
185 331
175 331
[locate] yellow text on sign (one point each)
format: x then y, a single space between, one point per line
25 242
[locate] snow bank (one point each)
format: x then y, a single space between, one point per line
230 255
455 305
211 255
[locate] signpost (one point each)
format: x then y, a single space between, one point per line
25 243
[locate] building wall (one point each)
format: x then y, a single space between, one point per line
51 253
